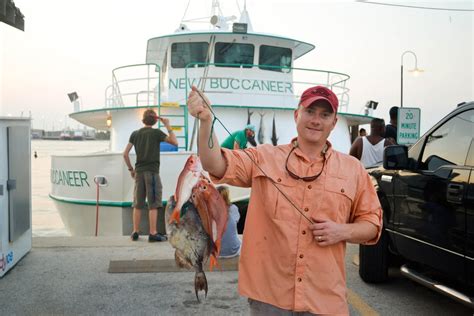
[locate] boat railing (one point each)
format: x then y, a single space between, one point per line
299 78
141 84
134 85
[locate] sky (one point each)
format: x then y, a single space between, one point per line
73 45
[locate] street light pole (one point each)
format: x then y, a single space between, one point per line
415 70
401 83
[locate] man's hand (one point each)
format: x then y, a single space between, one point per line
132 173
165 121
327 232
197 106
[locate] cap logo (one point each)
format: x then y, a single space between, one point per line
321 92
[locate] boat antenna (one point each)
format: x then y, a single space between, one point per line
185 11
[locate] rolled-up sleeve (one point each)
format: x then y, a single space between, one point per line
239 167
366 206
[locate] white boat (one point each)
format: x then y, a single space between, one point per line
240 70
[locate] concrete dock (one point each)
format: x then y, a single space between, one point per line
70 276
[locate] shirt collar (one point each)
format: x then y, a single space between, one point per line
300 154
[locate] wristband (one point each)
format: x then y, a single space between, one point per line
130 169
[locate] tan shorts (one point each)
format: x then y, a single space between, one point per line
147 186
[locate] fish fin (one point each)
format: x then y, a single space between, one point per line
218 246
200 283
213 262
174 217
181 260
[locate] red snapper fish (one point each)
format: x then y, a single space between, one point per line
213 212
187 179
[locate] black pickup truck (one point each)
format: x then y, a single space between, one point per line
427 195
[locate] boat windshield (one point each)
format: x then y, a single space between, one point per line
274 56
234 53
185 53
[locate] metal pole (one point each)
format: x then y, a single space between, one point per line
401 86
97 212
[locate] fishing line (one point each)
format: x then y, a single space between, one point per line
210 143
203 86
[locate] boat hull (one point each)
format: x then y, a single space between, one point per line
78 199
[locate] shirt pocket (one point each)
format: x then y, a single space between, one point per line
275 204
339 195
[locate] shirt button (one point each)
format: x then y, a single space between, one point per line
302 256
306 209
309 186
279 180
342 190
304 232
299 280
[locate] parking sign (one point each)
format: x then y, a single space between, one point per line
408 126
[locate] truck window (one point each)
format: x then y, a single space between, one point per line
234 53
185 53
450 143
470 156
274 56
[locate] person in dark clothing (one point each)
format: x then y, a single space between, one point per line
391 128
146 173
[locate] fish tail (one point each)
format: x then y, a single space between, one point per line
174 217
200 283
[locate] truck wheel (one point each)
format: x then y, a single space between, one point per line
373 261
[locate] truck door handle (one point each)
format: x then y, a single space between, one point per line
454 193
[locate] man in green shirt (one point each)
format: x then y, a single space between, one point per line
146 173
239 139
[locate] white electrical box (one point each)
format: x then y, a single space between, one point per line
15 191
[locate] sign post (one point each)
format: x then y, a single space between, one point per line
408 125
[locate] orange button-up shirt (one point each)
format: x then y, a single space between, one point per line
281 263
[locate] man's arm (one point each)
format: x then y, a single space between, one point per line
388 142
328 233
126 157
171 138
212 159
356 148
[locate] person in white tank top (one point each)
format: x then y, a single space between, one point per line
369 149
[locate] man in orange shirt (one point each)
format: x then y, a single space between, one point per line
307 201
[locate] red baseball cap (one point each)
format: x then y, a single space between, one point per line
316 93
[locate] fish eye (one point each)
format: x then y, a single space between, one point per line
204 187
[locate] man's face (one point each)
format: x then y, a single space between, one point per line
315 123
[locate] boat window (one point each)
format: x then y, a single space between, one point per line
184 53
278 57
234 53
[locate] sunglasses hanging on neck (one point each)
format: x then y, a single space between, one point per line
305 179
